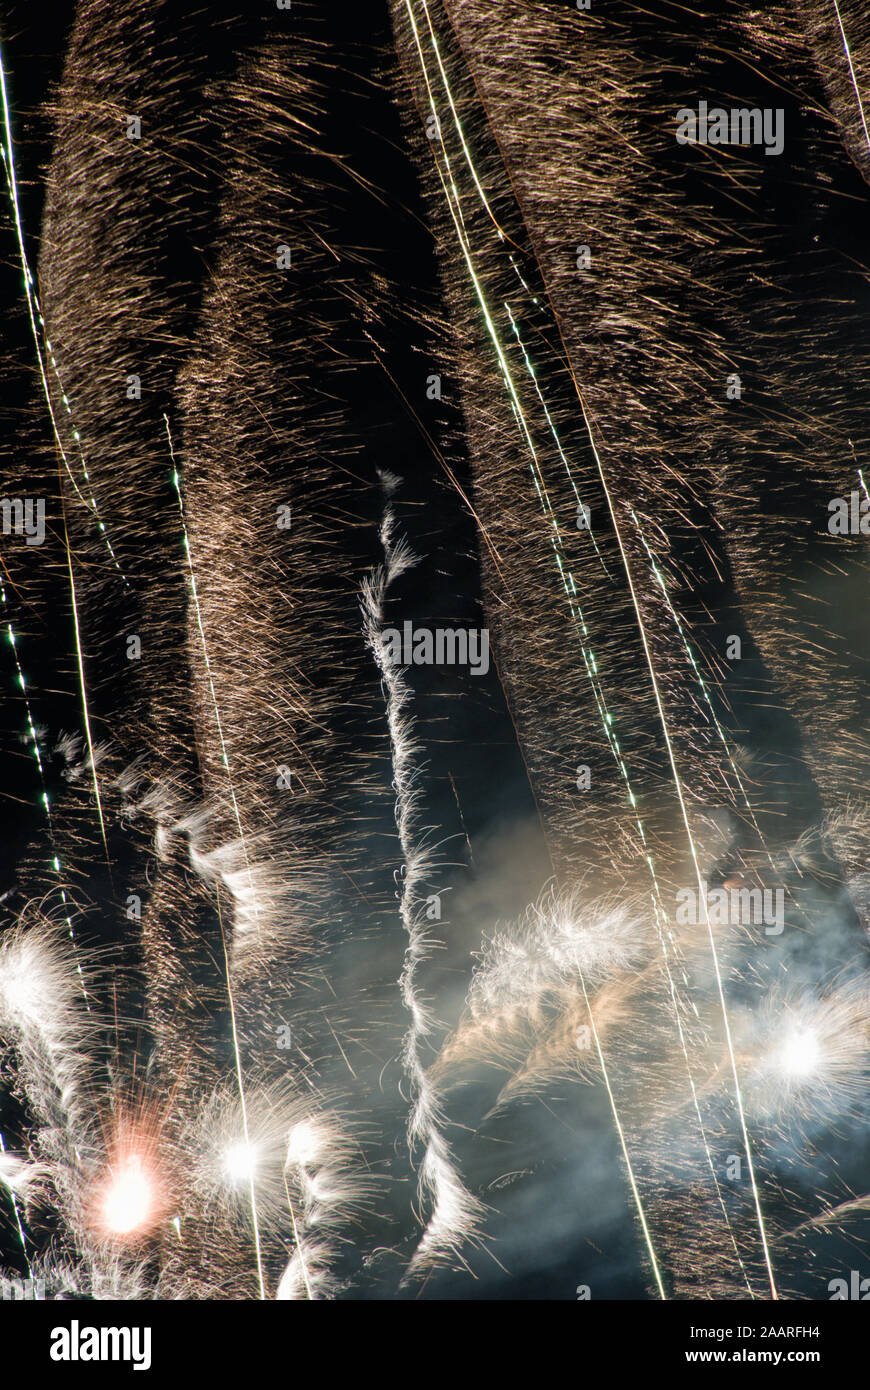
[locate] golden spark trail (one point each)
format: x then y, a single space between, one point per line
568 582
540 486
176 482
82 686
34 312
44 798
852 72
503 238
692 847
456 217
236 1050
701 682
9 161
242 1100
660 914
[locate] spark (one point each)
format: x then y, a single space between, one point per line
678 784
240 1162
176 481
569 584
227 975
806 1056
303 1145
35 313
9 162
129 1203
44 798
19 1226
852 72
800 1054
83 687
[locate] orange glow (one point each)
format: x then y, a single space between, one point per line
130 1196
129 1200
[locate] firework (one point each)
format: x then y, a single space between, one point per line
255 1053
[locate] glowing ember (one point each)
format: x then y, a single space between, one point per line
129 1202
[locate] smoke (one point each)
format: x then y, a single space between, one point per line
321 977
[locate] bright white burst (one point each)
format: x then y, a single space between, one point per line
305 1145
240 1162
800 1054
130 1200
805 1056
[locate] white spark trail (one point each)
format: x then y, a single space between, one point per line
454 1210
692 848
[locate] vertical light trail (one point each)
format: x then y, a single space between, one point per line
660 915
9 160
242 1098
848 52
44 797
702 684
623 1145
34 313
302 1265
176 480
457 221
82 686
692 848
21 1235
532 374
